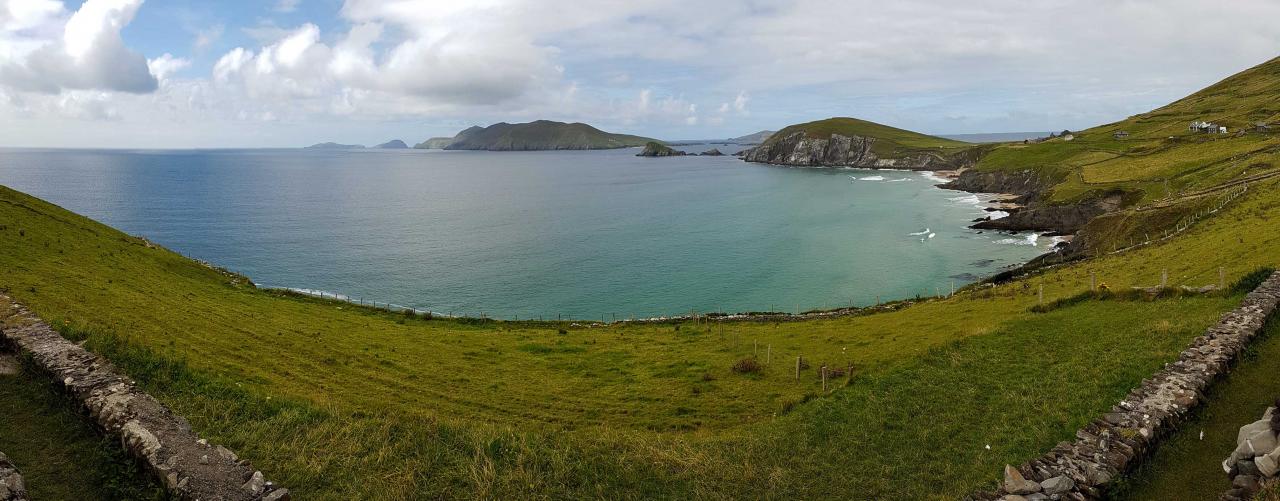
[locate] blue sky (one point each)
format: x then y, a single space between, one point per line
178 73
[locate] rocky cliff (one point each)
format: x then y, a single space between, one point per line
838 150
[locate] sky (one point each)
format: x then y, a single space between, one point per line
285 73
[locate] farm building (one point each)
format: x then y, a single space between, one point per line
1120 134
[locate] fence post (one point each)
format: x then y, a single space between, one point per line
798 368
1041 294
768 354
824 379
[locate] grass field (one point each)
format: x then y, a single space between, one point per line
322 395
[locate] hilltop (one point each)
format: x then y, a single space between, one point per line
539 135
756 138
850 142
435 143
394 144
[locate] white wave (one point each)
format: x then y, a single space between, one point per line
997 214
931 235
872 178
934 177
1031 240
967 200
918 233
898 180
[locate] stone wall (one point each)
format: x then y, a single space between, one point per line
188 466
11 486
1114 443
1256 460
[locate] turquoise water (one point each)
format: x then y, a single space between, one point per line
580 234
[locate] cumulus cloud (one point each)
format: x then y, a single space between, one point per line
89 54
628 65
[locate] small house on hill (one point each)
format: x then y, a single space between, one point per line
1120 134
1204 127
1262 127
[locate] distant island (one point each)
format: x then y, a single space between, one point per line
335 146
756 138
394 144
532 136
850 142
656 149
435 143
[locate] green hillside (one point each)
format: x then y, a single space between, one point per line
541 135
1156 156
890 141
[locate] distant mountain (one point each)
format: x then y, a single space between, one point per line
850 142
435 143
756 138
394 144
335 146
539 135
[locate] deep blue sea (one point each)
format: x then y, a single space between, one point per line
581 234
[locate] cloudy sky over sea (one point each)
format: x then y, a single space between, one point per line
180 73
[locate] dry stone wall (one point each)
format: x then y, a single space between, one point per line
1112 444
188 466
11 486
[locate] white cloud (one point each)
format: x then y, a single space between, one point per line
632 65
287 5
166 65
88 55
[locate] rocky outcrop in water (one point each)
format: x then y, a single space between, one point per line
655 149
713 152
798 149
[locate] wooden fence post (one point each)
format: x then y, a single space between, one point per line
798 367
824 379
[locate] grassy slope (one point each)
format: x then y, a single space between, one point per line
890 142
1188 467
1161 158
545 135
322 395
61 456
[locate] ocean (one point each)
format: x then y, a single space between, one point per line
574 234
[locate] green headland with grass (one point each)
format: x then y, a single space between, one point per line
926 400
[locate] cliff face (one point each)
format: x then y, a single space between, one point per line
797 149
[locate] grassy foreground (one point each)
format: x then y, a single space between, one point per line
325 397
1188 466
61 455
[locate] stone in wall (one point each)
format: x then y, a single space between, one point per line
11 486
1256 460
